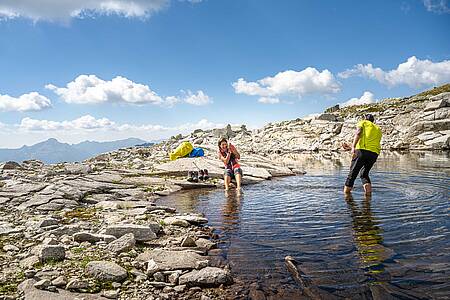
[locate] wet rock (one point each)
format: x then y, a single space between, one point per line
122 244
106 271
204 243
141 233
207 277
176 222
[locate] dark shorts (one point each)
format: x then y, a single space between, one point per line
361 164
232 173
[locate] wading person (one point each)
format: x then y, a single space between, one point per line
229 156
365 150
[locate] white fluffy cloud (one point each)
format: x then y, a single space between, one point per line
64 10
269 100
294 83
437 6
366 98
414 72
89 89
197 99
86 122
27 102
90 123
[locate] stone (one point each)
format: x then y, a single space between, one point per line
31 293
9 247
194 219
77 284
59 281
111 294
158 276
173 278
29 262
206 244
123 244
207 277
327 117
10 165
171 260
188 242
436 105
51 252
141 233
42 284
180 288
176 222
92 237
47 222
106 271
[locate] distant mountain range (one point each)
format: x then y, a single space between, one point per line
52 151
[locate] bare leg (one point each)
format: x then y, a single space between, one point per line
367 188
347 189
227 180
238 181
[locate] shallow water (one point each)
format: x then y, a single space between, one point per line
398 238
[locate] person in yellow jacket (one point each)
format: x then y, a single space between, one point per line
365 150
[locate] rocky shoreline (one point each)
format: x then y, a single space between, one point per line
93 230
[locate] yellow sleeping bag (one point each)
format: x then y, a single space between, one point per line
182 150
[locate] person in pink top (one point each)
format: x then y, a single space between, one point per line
230 156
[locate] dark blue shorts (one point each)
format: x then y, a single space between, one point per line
232 173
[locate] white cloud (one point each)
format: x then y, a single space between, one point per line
27 102
366 98
437 6
197 99
414 72
269 100
86 122
296 83
89 89
64 10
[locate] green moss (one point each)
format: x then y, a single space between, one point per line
78 250
8 288
83 213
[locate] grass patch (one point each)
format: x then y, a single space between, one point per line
78 250
83 213
8 288
436 90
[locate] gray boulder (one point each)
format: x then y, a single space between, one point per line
206 277
92 237
141 233
171 260
106 271
124 243
51 252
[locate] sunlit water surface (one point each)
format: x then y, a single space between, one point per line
398 237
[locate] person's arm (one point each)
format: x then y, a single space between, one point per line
356 140
234 150
225 159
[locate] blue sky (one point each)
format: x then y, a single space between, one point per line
159 67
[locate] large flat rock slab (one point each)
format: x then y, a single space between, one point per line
183 165
172 260
32 293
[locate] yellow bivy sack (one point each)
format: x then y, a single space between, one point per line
182 150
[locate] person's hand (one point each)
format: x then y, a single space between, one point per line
346 146
353 152
232 148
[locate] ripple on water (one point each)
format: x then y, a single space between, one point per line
400 235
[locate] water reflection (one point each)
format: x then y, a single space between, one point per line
368 239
